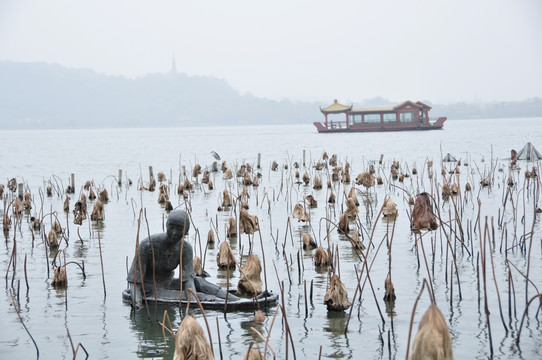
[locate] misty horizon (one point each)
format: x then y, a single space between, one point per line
303 51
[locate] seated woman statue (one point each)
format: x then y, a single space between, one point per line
159 255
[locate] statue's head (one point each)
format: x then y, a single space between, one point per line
177 224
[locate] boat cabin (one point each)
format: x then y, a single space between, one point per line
405 113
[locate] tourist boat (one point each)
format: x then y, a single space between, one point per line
406 116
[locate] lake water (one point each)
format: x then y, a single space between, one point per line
107 327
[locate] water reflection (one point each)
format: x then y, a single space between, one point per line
335 326
145 323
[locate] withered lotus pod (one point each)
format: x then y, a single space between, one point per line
232 227
228 174
274 166
510 181
296 165
67 204
49 191
97 211
224 166
347 167
433 340
443 172
198 267
224 258
351 208
226 199
18 206
322 257
104 196
180 189
331 198
205 177
317 184
244 205
164 190
87 185
6 222
12 185
401 178
389 208
308 242
356 242
311 201
247 181
211 237
91 195
336 297
36 225
468 187
328 184
250 283
379 180
372 169
455 189
161 176
152 183
324 155
414 171
60 279
299 213
394 174
248 224
70 189
256 181
389 290
27 201
345 179
513 155
187 184
446 190
162 198
56 227
254 354
196 170
411 201
352 195
52 239
429 165
190 341
168 206
210 184
241 171
485 183
422 214
319 166
306 178
344 225
366 179
457 169
333 160
1 190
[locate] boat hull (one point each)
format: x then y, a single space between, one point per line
439 124
168 296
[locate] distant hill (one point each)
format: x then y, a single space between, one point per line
41 95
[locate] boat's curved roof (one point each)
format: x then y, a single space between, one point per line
335 108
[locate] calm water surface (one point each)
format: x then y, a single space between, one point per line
107 327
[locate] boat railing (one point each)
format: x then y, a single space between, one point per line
336 124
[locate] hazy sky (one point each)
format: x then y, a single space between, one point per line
442 51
